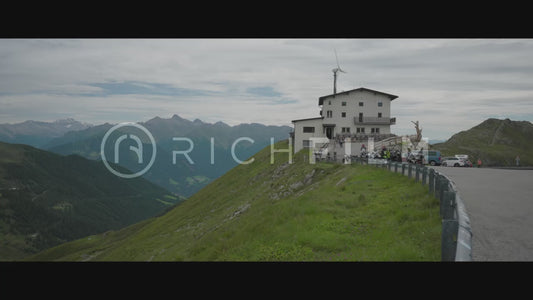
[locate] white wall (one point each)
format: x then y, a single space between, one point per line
300 136
369 109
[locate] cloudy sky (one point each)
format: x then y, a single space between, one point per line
447 85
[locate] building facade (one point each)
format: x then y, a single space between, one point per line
354 114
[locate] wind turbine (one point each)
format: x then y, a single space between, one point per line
338 68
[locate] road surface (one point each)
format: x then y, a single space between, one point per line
499 203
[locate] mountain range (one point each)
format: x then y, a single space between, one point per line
47 199
63 191
37 133
182 178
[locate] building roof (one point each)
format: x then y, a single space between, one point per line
308 119
321 99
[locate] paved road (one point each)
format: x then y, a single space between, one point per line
499 203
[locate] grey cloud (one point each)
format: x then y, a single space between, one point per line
284 78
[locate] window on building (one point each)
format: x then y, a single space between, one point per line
361 103
360 130
345 129
343 114
309 129
329 114
329 102
379 115
344 103
380 104
377 130
374 130
306 143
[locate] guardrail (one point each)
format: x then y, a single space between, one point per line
456 237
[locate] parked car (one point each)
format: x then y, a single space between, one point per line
434 158
468 164
452 162
462 156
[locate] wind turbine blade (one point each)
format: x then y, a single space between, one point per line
336 58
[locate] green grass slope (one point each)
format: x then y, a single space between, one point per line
281 212
496 142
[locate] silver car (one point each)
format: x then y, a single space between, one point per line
452 162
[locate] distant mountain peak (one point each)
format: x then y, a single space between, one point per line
38 133
67 120
156 118
221 124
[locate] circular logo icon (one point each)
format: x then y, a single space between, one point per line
138 149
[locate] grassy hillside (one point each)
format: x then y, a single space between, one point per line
47 199
496 142
281 212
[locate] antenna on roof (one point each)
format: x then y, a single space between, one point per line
338 68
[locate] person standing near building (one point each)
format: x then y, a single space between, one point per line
479 162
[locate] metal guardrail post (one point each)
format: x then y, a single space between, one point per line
437 184
409 171
448 205
424 175
395 167
417 173
443 187
403 169
449 239
431 181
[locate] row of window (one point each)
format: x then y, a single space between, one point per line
343 130
343 103
362 130
329 114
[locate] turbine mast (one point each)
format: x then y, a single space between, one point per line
338 68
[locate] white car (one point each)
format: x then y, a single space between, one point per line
452 162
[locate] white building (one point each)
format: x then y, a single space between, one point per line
353 115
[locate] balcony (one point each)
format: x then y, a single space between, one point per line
374 121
